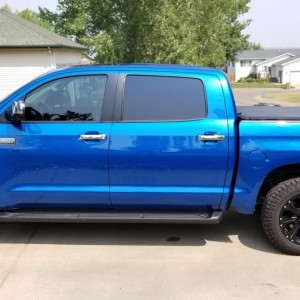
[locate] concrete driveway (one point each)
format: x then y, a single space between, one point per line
252 96
135 261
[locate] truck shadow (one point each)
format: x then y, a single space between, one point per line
234 228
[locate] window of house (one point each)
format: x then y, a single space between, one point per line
159 98
246 63
77 98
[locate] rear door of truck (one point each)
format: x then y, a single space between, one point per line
169 141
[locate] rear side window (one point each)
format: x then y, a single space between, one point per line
161 98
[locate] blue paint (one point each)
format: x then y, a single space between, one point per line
143 164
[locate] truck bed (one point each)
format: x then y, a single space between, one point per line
268 113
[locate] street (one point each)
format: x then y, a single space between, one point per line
252 96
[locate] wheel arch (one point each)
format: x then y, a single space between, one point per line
276 176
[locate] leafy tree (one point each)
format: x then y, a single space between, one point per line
29 15
33 17
165 31
254 46
6 7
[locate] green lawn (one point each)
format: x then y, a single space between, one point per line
258 85
294 98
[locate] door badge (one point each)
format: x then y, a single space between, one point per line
7 141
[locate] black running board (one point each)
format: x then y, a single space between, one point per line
213 217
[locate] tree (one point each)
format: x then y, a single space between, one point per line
201 32
33 17
29 15
6 7
165 31
254 46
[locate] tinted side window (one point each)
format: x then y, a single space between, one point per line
77 98
158 98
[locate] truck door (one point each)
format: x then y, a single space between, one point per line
169 147
58 156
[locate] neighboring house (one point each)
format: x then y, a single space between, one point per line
280 65
28 50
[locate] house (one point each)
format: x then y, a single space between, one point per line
280 65
28 50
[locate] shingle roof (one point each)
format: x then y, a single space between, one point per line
16 32
275 57
267 53
288 60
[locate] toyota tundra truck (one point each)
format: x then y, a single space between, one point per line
147 143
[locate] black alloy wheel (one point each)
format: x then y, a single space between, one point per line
281 216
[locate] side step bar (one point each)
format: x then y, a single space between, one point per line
199 217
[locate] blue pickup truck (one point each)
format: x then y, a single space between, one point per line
147 143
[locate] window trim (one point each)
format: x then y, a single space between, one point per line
71 121
118 116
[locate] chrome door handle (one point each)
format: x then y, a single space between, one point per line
211 137
92 137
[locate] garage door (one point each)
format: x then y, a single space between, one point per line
295 78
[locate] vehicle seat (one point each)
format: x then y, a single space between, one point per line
58 101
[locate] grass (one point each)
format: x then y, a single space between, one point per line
294 98
258 85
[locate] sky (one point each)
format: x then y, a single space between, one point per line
275 23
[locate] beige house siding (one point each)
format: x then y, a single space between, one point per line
66 57
19 66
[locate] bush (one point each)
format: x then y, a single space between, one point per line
263 80
251 79
242 80
253 75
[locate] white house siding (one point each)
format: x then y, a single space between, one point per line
289 73
276 71
295 77
19 66
262 67
242 72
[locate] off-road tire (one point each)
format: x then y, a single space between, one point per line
280 216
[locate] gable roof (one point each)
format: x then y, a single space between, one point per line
16 32
266 61
267 53
288 61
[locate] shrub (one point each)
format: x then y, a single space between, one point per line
253 75
242 80
263 80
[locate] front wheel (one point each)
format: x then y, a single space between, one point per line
281 216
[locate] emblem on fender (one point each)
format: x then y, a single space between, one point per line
7 141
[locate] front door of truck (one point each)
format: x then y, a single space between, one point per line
169 149
58 156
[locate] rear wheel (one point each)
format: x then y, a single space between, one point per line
281 216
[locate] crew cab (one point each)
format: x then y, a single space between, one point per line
147 143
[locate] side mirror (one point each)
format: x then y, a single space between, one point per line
16 112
